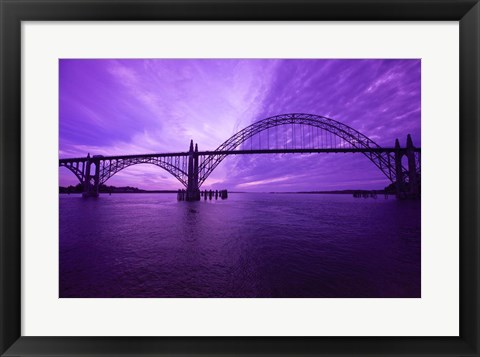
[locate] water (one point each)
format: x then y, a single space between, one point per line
250 245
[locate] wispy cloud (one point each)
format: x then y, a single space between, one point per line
267 181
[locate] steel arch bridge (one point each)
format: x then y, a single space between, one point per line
285 133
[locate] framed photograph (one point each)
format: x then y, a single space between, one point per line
239 178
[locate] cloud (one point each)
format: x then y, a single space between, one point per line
267 181
124 106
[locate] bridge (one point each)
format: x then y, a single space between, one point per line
296 133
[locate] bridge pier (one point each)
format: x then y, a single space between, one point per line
410 189
413 186
400 182
91 181
193 191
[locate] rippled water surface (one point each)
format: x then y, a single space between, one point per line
250 245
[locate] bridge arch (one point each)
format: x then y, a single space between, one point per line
75 169
112 167
383 160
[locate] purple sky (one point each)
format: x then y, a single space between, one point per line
112 107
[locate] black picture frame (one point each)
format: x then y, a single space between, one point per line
13 12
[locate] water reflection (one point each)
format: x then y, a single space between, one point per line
251 245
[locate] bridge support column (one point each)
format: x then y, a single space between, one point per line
399 184
413 187
91 181
193 192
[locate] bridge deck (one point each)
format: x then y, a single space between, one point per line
300 151
245 152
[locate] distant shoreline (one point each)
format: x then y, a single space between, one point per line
337 192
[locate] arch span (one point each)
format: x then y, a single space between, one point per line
383 160
74 167
111 167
